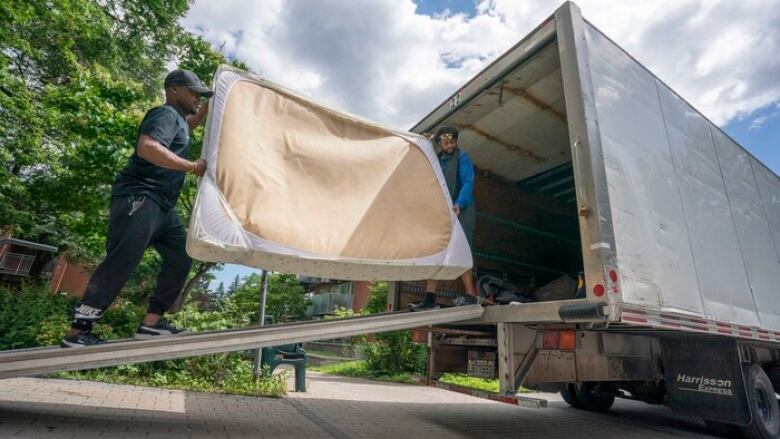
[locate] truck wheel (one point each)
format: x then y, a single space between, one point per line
592 396
569 394
773 372
763 405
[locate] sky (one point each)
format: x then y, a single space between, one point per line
393 61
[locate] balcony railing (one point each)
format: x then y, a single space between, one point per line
16 264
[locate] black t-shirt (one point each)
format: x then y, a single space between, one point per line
141 177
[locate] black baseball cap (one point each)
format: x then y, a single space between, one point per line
443 130
189 80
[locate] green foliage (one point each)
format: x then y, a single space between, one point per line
32 317
230 372
225 373
348 368
458 379
391 353
358 369
76 77
341 313
29 314
394 353
285 300
377 299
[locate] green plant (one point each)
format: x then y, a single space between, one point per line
358 369
489 385
31 313
348 368
377 299
394 353
391 353
341 313
224 373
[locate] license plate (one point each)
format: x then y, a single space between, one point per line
482 364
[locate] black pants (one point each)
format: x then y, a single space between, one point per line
135 223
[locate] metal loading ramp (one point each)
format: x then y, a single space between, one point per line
26 362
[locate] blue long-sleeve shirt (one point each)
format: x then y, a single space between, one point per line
465 178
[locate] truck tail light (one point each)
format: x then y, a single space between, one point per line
567 340
563 340
550 340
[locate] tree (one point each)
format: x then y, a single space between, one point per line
76 78
234 286
220 293
285 301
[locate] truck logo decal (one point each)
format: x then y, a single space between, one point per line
705 385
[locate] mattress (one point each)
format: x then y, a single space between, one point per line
295 186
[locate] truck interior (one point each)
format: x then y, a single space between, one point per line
516 133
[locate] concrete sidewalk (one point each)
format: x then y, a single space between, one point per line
334 407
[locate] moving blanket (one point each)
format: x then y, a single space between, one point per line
295 186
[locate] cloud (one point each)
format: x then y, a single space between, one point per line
764 115
382 60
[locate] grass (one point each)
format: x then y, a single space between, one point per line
236 379
470 382
358 369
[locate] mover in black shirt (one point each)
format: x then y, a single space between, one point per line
142 212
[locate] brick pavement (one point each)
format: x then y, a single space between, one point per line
334 407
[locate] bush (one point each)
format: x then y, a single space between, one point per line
395 353
33 317
32 314
377 299
391 353
225 373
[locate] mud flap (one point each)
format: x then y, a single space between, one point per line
704 378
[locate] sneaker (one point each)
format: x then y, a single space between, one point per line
423 306
465 300
161 329
80 340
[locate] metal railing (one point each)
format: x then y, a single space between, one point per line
16 264
36 361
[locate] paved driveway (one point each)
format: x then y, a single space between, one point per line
334 407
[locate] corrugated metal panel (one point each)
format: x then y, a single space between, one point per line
655 264
687 215
758 252
719 267
769 186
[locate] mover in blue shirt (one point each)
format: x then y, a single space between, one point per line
459 175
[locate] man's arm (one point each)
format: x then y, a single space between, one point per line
196 119
155 153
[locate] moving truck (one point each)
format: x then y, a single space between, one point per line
587 162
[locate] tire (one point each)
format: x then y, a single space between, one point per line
773 372
763 405
568 393
592 397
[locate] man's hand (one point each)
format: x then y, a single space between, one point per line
456 209
199 167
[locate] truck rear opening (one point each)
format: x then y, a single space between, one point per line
516 132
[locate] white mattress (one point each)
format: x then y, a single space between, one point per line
295 186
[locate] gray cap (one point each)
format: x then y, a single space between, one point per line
189 80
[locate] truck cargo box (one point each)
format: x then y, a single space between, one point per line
587 161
